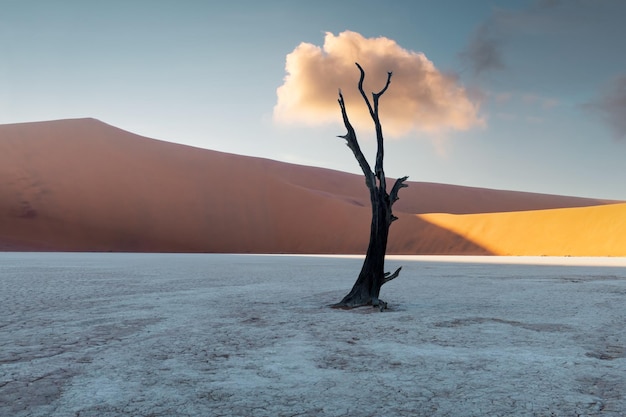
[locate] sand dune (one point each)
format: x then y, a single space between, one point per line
82 185
585 231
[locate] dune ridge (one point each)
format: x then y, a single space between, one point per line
83 185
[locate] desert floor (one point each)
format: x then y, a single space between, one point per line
246 335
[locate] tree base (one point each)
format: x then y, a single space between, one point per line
361 296
350 304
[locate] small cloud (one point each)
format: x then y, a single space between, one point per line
488 45
537 26
420 98
611 107
484 50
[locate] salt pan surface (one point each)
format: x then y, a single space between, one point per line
236 335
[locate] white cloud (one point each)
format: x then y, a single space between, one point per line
420 98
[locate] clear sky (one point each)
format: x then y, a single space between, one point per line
542 84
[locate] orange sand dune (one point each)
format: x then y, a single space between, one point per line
82 185
586 231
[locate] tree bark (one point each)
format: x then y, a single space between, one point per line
366 289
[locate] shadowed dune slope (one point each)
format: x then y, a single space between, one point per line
82 185
583 231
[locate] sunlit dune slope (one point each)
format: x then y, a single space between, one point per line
83 185
585 231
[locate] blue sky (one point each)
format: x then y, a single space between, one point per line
549 79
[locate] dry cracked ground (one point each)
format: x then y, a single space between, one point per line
232 335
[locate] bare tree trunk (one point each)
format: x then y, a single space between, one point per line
366 289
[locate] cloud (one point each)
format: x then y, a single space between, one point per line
483 52
611 107
592 26
485 49
420 98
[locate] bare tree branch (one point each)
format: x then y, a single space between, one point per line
389 276
393 196
367 101
376 96
381 92
353 144
380 153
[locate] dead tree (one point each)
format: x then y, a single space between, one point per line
366 289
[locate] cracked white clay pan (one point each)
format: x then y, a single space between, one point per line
247 335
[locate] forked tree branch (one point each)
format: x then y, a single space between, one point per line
389 276
380 93
376 96
353 144
380 153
